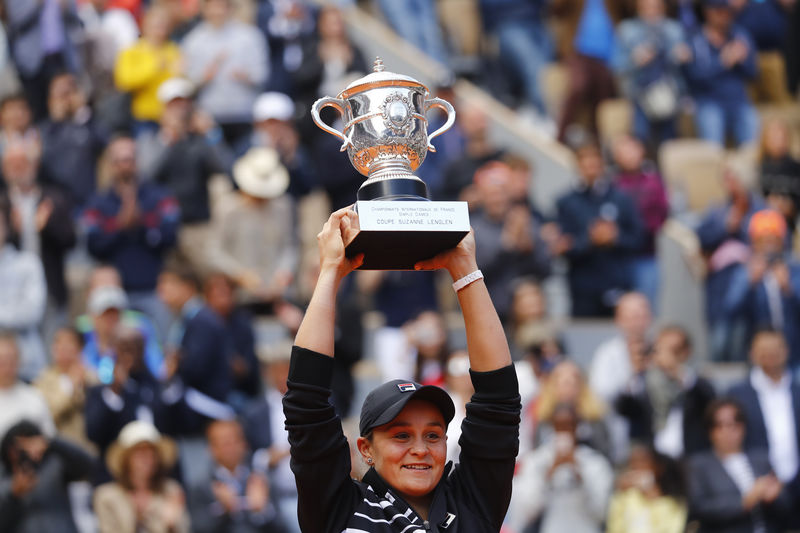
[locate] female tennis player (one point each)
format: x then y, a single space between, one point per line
409 487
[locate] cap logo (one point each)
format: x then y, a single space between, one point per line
406 387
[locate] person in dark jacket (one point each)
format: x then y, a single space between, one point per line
402 426
602 234
34 478
666 408
196 359
780 172
240 336
132 225
770 399
71 141
41 217
133 394
732 490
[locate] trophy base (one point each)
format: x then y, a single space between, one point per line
411 188
397 235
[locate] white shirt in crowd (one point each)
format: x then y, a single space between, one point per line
775 400
610 374
566 502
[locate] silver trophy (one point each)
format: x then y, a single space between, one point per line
386 131
386 137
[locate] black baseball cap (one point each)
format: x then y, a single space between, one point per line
384 403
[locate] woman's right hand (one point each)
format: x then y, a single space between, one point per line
341 227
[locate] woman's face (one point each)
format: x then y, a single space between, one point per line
566 383
410 452
143 460
727 433
776 139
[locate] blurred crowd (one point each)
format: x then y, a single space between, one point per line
162 184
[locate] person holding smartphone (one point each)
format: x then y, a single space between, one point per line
563 485
409 486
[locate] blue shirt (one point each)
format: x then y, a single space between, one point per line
595 35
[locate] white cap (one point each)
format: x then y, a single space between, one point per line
108 297
175 88
273 105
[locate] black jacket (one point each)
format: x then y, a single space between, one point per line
471 497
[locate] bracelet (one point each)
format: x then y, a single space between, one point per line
466 280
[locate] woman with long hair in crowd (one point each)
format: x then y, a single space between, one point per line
403 424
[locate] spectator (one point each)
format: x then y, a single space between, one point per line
665 404
766 290
108 308
723 60
767 22
730 489
565 484
41 223
460 388
641 180
132 226
525 43
478 150
180 158
133 393
228 61
15 121
530 323
618 360
35 474
20 401
254 240
417 22
511 245
603 233
240 337
588 47
274 128
235 494
264 424
23 297
650 495
780 172
71 140
63 386
143 67
330 59
196 360
770 402
649 53
723 234
141 498
400 297
427 336
566 385
44 38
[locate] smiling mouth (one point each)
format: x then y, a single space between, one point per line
417 467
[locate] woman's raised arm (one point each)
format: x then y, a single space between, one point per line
316 331
486 340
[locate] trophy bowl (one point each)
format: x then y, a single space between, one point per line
385 131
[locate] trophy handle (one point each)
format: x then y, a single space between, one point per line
337 104
451 118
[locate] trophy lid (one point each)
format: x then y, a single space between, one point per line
379 77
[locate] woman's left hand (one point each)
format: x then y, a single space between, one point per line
459 261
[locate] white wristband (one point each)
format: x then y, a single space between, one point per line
466 280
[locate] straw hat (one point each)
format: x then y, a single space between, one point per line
259 173
135 433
